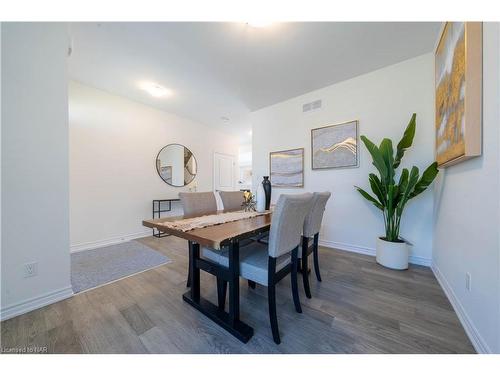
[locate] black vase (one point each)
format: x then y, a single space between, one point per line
267 190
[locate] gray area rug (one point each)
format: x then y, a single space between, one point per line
92 268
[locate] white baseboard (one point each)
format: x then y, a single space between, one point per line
35 303
109 241
469 327
370 251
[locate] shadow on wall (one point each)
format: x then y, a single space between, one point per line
440 181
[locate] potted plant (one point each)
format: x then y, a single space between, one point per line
391 197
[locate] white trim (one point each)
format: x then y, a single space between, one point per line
370 251
35 303
472 332
109 241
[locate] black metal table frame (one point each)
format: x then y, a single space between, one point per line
159 211
230 321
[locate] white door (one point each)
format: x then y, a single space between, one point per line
224 172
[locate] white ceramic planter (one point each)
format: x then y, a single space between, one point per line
392 254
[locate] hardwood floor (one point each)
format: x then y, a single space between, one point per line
359 307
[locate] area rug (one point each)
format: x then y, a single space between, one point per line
96 267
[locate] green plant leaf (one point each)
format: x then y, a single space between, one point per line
377 188
406 141
378 160
390 210
370 198
389 197
412 181
403 180
427 177
388 155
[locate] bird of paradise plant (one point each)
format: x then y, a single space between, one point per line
391 197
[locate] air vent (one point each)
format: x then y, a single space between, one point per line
312 106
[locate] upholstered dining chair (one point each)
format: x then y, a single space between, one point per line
310 235
197 204
267 264
232 200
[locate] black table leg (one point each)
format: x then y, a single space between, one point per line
188 282
194 272
229 321
234 281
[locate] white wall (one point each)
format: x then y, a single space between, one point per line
467 218
35 191
113 146
383 102
245 166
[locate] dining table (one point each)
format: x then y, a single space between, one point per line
227 235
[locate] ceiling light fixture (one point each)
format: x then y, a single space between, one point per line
155 89
224 119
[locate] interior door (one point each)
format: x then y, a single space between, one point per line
224 172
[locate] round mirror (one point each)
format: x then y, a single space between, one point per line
176 165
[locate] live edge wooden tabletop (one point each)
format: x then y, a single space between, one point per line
215 236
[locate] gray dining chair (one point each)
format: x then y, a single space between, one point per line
310 235
232 200
197 204
267 264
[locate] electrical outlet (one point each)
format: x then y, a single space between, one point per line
468 281
30 269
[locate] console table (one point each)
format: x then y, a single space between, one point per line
157 210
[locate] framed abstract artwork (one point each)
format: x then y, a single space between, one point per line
458 85
335 146
286 168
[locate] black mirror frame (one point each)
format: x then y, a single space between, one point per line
156 164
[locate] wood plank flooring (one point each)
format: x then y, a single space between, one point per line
360 307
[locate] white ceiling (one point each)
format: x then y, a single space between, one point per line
229 69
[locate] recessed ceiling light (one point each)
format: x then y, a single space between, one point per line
155 89
249 132
259 23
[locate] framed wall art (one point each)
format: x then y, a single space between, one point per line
458 85
286 168
335 146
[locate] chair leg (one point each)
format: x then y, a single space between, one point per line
316 258
251 284
305 266
221 292
271 299
295 288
